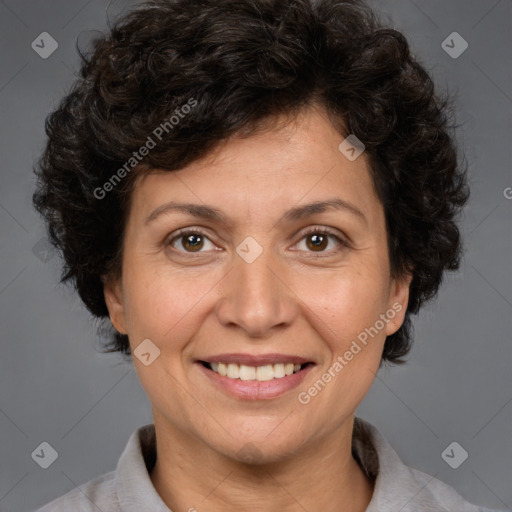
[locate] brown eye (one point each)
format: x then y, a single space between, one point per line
321 240
317 242
190 241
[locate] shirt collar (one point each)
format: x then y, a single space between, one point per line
135 489
396 487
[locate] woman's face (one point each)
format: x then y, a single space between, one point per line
265 280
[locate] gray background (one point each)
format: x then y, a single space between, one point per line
56 387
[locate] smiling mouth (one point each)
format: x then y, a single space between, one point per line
256 373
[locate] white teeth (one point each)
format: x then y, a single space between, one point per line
265 372
233 371
260 373
247 372
279 371
223 369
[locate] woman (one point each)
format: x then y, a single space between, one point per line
258 194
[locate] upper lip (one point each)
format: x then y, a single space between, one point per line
256 360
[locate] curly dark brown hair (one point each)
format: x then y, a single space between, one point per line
241 63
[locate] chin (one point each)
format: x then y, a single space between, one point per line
259 449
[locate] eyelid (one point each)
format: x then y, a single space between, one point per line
342 239
316 229
176 235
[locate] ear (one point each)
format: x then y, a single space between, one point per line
398 301
113 293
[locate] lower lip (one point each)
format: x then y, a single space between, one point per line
255 389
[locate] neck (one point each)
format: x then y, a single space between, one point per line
190 475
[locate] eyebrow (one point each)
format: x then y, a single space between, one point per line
295 213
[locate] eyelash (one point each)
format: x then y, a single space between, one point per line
310 231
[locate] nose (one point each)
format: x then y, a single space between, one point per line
256 298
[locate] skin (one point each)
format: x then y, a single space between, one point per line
293 299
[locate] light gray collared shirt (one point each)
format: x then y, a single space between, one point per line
397 486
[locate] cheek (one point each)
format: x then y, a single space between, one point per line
343 303
342 309
164 305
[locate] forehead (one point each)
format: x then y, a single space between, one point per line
287 163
